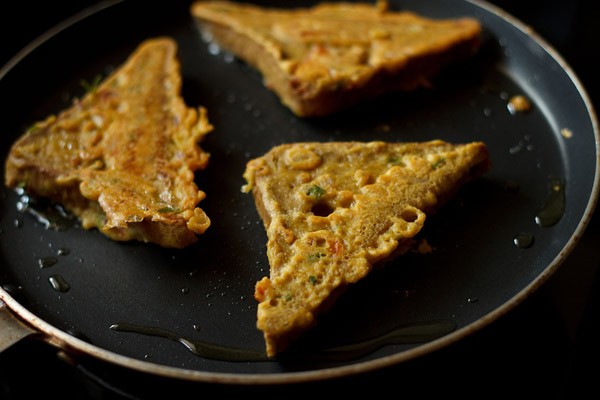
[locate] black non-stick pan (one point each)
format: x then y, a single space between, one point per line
190 313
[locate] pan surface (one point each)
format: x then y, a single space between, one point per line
543 160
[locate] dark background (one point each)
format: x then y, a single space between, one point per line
547 346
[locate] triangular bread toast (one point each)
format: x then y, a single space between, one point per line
334 55
122 158
334 210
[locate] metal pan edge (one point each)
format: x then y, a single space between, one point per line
60 339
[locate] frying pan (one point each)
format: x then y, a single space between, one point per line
203 294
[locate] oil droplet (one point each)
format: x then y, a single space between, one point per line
214 48
554 207
50 215
11 289
413 333
200 348
523 240
406 334
47 262
206 36
522 145
59 283
63 251
517 148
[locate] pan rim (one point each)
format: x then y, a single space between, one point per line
63 340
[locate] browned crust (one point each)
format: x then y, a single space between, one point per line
259 172
122 158
416 72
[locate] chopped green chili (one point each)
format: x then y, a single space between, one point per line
438 163
316 191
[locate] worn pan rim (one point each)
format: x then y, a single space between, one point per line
65 341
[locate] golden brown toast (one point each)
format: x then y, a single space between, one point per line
334 210
329 57
122 158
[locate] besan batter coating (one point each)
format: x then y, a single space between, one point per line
123 157
334 210
332 56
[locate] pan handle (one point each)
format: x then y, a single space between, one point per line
11 328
